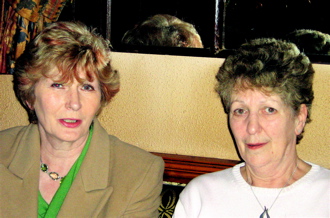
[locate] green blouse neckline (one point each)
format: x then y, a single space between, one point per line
51 210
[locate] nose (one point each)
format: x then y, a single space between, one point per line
73 99
253 124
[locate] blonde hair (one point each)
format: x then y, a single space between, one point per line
69 46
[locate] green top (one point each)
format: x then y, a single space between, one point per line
51 210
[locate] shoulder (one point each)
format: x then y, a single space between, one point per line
318 173
8 139
135 170
133 154
223 176
11 133
317 178
207 190
122 153
209 181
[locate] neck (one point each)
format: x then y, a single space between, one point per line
59 155
55 148
48 151
270 176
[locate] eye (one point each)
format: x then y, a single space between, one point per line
57 85
88 87
239 111
270 110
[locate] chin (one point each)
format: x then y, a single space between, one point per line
256 161
71 137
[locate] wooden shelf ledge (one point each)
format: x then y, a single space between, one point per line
183 168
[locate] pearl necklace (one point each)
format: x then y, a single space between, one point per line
265 212
53 175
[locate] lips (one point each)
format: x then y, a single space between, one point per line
70 123
255 145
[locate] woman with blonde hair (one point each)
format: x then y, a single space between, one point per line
64 164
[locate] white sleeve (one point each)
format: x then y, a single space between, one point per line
189 203
179 211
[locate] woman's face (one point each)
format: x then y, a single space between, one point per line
264 127
65 111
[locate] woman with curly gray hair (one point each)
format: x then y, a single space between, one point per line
266 90
64 164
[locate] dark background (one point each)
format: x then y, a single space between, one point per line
244 19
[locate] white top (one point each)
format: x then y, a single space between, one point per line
226 194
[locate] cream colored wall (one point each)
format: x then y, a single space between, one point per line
167 104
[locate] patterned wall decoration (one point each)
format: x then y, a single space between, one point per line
21 21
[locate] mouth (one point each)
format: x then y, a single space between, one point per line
70 123
255 145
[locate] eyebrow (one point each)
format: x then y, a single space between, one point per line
262 102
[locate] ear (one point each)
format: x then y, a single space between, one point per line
29 105
301 119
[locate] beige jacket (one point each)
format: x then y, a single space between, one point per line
115 179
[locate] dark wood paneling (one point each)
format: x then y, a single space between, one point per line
182 168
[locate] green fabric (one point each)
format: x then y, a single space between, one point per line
51 210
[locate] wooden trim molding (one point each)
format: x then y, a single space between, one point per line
183 168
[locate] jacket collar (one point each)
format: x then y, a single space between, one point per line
19 182
27 155
94 173
96 166
22 175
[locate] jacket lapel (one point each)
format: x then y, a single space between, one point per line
91 189
18 182
89 192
